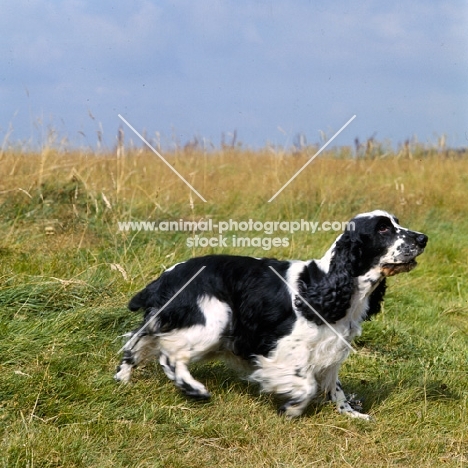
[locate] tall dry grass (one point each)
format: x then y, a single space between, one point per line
236 179
66 273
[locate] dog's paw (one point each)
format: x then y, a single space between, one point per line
194 390
200 396
292 409
346 409
355 403
124 371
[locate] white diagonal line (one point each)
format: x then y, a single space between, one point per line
129 343
308 305
162 159
312 158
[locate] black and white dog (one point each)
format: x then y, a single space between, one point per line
289 323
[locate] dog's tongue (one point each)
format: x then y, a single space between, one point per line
390 269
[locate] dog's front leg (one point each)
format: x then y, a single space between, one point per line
343 405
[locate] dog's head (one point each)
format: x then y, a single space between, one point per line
377 241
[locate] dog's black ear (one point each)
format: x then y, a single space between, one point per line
351 250
376 299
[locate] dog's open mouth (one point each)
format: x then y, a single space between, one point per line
390 269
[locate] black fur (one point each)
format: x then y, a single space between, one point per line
260 302
376 299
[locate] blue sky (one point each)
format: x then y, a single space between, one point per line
268 70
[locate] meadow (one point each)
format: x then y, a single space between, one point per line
67 273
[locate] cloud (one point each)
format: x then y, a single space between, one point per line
213 66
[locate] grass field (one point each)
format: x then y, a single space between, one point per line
67 272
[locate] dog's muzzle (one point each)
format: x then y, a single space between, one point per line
417 245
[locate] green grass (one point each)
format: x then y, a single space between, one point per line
66 274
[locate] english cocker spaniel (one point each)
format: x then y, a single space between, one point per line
287 323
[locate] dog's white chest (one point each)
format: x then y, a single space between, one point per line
306 353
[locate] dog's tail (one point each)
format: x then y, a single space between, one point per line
139 301
146 298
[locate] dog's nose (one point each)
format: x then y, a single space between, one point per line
421 240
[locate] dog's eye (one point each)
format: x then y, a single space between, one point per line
383 227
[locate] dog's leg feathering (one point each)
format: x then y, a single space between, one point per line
300 395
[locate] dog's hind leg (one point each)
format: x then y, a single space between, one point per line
175 367
143 344
182 346
177 351
136 350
